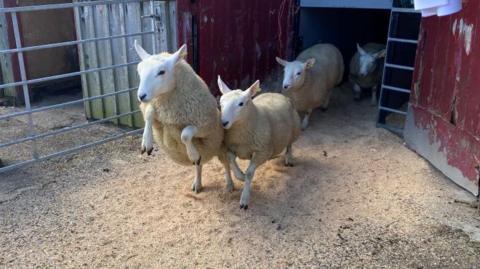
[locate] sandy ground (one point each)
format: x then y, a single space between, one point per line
357 197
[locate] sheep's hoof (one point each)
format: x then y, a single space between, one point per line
244 207
149 151
324 109
195 188
288 164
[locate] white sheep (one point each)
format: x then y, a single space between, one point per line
180 112
310 79
366 68
257 130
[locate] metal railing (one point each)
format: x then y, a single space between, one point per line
25 83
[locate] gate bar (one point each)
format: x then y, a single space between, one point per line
71 150
67 5
66 75
23 75
74 42
67 129
44 108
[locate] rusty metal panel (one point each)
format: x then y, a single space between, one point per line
235 39
444 116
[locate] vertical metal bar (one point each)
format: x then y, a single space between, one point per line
153 18
167 26
23 76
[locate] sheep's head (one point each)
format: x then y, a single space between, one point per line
156 72
294 72
368 61
234 103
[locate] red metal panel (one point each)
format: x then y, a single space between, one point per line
446 97
237 39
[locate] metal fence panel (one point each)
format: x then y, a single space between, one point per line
105 33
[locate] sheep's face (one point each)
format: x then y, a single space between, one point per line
368 61
294 73
156 72
234 103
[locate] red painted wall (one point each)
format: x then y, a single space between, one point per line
446 89
237 39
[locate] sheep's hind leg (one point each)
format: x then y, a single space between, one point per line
147 139
306 119
326 102
357 91
236 170
187 135
289 156
197 182
373 102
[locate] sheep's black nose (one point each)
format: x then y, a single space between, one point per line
285 87
225 123
141 97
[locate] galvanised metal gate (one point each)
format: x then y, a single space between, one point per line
104 32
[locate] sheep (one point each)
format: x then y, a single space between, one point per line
366 68
180 113
257 130
310 79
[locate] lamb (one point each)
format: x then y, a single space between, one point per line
256 130
310 79
366 68
180 113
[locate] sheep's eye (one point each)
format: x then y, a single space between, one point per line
241 104
299 73
161 72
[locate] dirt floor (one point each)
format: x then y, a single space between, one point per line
357 197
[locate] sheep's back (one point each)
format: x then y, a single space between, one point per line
320 79
282 118
329 64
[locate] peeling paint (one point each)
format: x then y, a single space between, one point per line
465 31
422 140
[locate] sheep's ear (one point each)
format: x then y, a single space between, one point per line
281 62
180 53
222 86
254 89
361 50
309 63
140 51
380 54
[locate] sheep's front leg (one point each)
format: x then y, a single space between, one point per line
357 91
228 177
197 181
306 119
247 186
236 170
289 156
187 135
147 139
373 102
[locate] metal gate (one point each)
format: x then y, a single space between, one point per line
106 68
